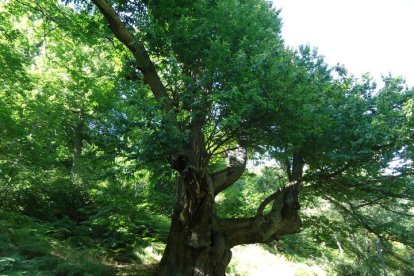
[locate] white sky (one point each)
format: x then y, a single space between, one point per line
375 36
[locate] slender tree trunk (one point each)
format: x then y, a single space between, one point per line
77 142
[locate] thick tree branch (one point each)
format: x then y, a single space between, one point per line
226 177
272 198
137 48
281 220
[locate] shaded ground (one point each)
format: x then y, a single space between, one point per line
33 247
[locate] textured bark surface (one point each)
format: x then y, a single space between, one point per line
145 65
199 243
196 245
282 219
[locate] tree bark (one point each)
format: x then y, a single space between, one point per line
199 242
196 245
282 219
144 63
226 177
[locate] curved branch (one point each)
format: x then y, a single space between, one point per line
267 201
281 220
273 197
226 177
137 48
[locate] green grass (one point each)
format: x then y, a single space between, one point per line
257 260
33 247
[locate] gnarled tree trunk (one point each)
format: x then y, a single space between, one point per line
199 242
196 245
